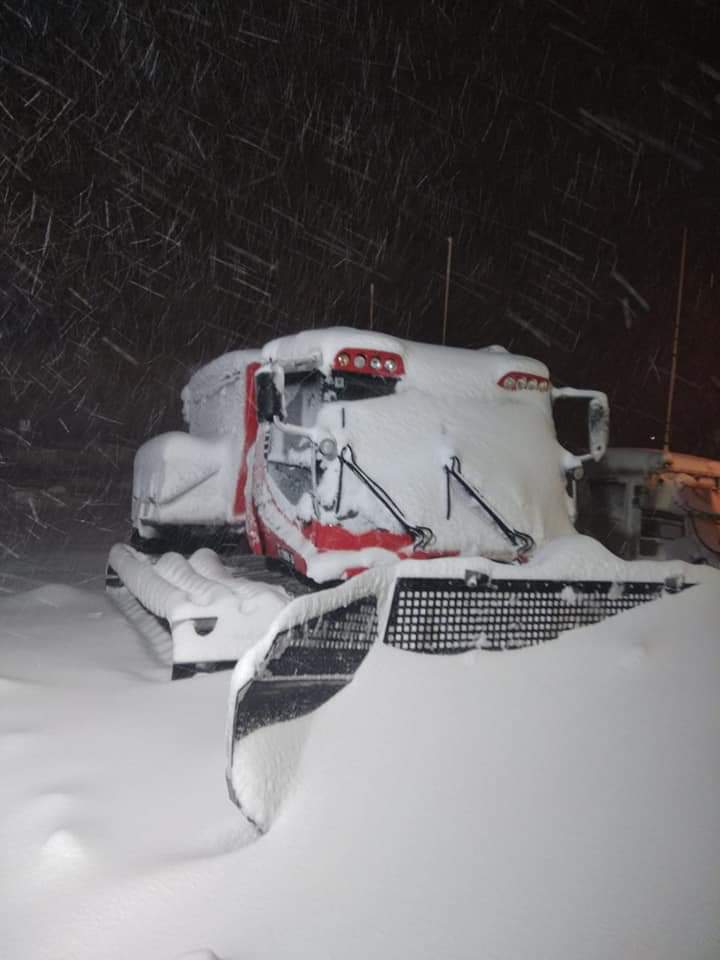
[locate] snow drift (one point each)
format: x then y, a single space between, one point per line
559 801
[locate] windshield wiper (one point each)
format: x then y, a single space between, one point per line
422 536
522 542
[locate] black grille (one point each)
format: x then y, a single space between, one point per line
333 643
307 664
451 616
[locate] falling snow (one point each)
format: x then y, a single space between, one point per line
176 183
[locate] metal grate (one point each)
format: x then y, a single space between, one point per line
332 643
452 616
307 664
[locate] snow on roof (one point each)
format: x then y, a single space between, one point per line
447 368
327 342
219 372
214 398
455 370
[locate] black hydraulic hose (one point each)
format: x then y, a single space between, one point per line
422 536
522 542
713 550
712 515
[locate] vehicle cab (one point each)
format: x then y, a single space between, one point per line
371 448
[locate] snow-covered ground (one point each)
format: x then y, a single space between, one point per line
554 802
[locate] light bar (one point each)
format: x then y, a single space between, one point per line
518 380
376 363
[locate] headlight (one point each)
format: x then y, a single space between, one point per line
517 380
328 448
360 360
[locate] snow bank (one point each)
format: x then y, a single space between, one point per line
108 772
261 766
557 802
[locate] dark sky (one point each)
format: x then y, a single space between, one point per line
178 179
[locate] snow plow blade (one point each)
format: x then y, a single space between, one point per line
447 606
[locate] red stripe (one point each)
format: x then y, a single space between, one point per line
251 428
332 537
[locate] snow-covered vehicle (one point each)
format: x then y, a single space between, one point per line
339 450
418 494
650 504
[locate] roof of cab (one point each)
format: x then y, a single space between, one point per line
450 369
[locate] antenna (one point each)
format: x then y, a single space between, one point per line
447 290
372 306
673 367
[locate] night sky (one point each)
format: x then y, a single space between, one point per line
179 179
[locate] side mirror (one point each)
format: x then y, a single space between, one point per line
268 398
598 427
598 419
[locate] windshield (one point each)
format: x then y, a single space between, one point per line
348 386
306 390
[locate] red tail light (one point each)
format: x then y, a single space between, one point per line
378 363
517 380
